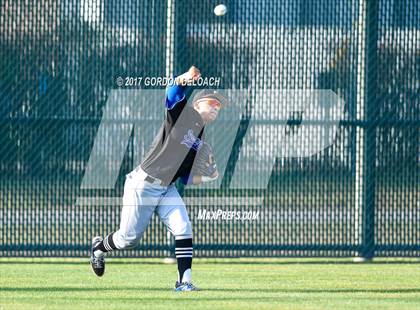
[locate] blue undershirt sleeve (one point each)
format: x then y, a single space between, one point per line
174 94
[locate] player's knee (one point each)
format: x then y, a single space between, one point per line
184 230
124 241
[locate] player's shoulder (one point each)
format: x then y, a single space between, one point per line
186 117
192 114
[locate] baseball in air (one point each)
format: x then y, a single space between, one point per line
220 10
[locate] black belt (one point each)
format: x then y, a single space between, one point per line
151 179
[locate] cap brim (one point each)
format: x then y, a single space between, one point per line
219 97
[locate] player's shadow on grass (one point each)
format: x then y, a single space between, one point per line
239 290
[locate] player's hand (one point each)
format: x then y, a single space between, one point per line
198 179
193 74
213 177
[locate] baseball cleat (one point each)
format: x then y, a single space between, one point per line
97 263
185 287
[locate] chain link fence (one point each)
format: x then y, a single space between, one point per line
62 60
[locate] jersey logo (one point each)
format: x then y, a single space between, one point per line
191 141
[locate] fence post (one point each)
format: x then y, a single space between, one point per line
365 135
371 67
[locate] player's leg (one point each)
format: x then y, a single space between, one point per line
173 213
139 202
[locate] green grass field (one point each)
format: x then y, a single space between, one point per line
226 284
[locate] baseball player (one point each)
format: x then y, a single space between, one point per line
178 151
